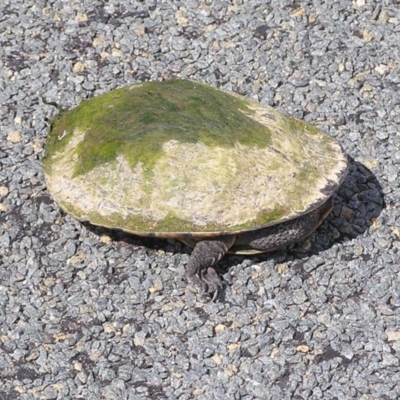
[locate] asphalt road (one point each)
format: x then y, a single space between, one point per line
86 313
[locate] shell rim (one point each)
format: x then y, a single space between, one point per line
327 194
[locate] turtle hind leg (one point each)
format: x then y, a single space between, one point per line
205 255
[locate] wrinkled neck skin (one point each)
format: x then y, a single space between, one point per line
273 237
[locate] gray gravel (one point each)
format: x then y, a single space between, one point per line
90 314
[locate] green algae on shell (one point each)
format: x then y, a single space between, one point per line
137 120
180 156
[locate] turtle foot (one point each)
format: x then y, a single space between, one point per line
211 283
207 282
199 269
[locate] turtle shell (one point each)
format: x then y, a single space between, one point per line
176 157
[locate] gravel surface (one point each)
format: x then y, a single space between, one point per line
90 314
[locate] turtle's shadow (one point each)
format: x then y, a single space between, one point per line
357 203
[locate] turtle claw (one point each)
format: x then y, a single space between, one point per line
208 283
211 283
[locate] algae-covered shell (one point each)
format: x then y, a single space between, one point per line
167 158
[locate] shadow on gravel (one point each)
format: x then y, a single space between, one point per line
357 204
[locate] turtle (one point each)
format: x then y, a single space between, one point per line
180 159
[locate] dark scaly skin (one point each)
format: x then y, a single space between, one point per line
207 253
283 235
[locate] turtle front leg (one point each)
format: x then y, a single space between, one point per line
205 255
